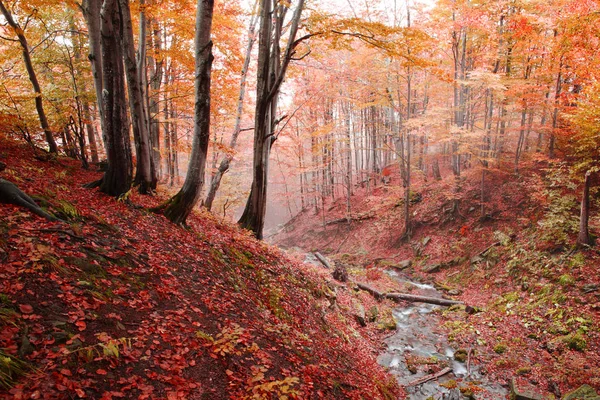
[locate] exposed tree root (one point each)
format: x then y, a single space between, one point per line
11 194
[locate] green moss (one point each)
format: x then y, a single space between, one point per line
575 341
67 210
566 280
500 348
578 260
523 370
511 297
386 320
461 355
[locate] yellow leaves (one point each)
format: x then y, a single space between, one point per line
281 389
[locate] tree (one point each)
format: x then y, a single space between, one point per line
584 239
115 129
272 67
145 176
39 105
179 207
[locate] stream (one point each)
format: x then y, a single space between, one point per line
416 338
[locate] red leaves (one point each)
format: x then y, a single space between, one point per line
81 325
26 308
101 371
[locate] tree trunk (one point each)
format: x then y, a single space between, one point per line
91 13
90 132
583 239
115 132
436 170
271 71
156 76
39 105
179 207
143 173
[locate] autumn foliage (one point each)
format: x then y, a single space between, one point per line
102 308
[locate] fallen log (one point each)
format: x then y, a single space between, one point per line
322 259
407 297
422 299
350 219
374 292
431 377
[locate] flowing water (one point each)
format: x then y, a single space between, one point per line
416 338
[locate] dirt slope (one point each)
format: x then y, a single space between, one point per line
119 303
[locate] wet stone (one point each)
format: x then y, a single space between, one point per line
524 391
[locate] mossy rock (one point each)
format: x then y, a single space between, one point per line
372 314
500 348
386 321
575 341
523 371
461 355
585 392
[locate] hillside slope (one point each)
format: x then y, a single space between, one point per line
538 297
120 303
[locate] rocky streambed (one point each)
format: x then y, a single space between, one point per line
417 351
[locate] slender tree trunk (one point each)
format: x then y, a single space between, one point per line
174 171
179 207
39 105
584 239
143 172
91 12
271 72
557 93
153 95
89 125
407 221
167 136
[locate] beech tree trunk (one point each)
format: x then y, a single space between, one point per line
39 105
115 133
271 71
179 207
583 239
156 75
144 176
91 13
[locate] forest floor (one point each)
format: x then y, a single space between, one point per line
117 302
537 298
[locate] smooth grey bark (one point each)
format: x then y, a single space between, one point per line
178 208
215 180
91 12
272 68
143 173
152 88
39 105
115 130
